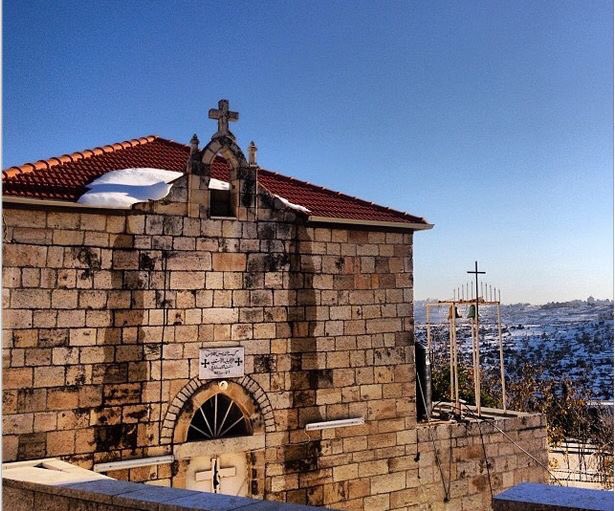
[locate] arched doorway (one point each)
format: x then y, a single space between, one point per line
219 441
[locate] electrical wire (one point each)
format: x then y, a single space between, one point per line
438 463
482 441
507 436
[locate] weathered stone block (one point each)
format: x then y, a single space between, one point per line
388 483
82 337
14 318
220 315
17 255
345 472
49 377
376 503
228 262
16 424
17 378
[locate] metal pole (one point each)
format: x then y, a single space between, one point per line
502 372
477 380
476 367
477 340
451 310
427 310
455 368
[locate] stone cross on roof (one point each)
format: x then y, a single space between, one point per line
224 116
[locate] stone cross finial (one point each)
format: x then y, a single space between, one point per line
223 116
252 153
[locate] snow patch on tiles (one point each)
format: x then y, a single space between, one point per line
121 189
216 184
292 205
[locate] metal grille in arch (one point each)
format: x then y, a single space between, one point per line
218 417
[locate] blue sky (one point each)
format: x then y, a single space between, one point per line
492 119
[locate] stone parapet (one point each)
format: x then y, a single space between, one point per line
112 495
463 465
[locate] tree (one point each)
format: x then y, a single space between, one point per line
566 404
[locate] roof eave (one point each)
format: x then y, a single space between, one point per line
412 226
7 199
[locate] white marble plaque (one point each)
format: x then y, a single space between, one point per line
221 363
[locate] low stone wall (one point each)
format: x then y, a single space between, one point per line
462 466
437 466
112 495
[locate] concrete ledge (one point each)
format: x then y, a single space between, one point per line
48 471
112 495
543 497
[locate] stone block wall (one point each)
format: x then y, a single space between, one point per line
105 315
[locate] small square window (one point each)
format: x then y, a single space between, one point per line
220 203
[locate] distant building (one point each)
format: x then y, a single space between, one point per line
246 332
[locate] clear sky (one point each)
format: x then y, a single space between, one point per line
492 119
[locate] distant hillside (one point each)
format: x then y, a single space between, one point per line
568 339
512 312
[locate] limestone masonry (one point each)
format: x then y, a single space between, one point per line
105 314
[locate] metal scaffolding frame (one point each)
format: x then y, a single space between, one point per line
475 332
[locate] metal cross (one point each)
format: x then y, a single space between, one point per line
204 363
238 361
223 116
476 274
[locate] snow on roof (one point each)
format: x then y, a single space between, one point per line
292 205
216 184
120 189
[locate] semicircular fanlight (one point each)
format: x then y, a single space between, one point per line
219 417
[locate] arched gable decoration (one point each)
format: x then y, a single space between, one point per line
245 392
244 176
223 141
227 148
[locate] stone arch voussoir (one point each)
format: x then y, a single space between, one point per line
251 387
228 149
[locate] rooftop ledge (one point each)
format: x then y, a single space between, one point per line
116 495
442 413
544 497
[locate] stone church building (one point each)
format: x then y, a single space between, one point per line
247 333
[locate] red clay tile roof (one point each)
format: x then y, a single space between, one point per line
64 179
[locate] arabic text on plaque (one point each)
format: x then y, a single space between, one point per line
221 363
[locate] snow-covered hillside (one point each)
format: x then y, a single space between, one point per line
568 340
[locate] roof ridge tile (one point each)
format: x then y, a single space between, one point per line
54 161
